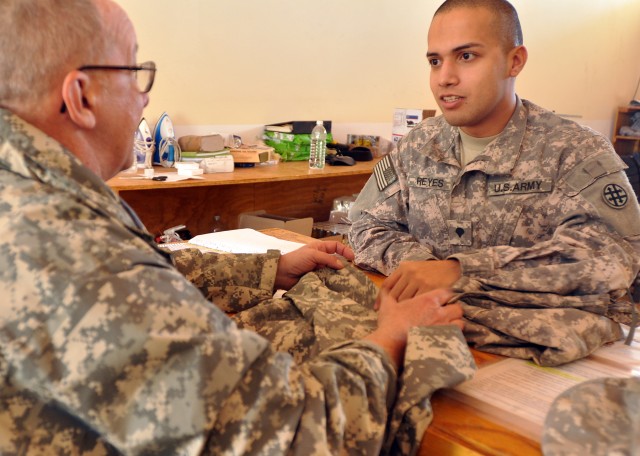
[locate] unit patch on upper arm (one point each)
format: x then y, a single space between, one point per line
615 196
602 182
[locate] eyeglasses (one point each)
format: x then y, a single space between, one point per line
145 74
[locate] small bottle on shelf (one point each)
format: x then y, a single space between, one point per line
318 150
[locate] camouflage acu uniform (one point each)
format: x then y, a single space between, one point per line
598 417
544 224
106 348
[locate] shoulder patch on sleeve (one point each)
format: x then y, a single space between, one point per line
384 173
615 196
612 197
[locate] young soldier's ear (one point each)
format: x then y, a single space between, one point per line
517 60
77 99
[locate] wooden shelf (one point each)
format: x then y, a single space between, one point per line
627 138
625 145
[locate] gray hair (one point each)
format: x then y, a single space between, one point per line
506 16
42 40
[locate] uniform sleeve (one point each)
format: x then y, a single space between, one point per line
379 231
234 282
594 249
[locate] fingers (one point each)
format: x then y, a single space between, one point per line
345 251
326 259
387 286
432 308
447 314
401 287
398 287
332 247
323 253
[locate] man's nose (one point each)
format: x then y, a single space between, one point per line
448 74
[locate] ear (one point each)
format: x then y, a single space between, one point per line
77 97
517 59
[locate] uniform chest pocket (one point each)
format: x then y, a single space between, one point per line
507 201
427 213
504 222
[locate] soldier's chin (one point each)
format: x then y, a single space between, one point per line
454 120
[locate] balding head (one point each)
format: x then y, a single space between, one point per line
62 35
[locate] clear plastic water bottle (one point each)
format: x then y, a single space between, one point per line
318 149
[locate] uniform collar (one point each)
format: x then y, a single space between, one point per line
500 156
29 152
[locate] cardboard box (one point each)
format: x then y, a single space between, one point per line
251 154
260 220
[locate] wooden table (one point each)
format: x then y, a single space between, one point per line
457 428
287 189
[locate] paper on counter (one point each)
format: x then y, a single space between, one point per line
244 240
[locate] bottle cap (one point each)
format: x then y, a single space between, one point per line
318 122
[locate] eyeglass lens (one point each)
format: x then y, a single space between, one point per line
145 76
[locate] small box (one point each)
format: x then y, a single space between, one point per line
260 220
208 143
219 164
252 154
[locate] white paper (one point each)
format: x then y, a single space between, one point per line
244 240
519 393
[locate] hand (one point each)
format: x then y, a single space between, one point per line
310 257
396 318
415 277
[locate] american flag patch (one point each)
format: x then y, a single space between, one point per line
385 173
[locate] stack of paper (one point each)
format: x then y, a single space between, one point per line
519 393
245 240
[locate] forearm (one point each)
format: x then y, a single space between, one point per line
381 246
589 261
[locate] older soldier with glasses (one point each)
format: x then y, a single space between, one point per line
105 347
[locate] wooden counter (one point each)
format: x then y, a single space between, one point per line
288 189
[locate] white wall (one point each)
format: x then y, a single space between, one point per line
250 62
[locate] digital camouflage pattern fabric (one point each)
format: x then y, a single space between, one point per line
544 224
106 348
598 417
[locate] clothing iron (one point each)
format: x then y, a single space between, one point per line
167 150
143 145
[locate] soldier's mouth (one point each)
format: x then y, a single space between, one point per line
451 98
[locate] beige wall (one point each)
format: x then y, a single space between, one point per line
353 61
